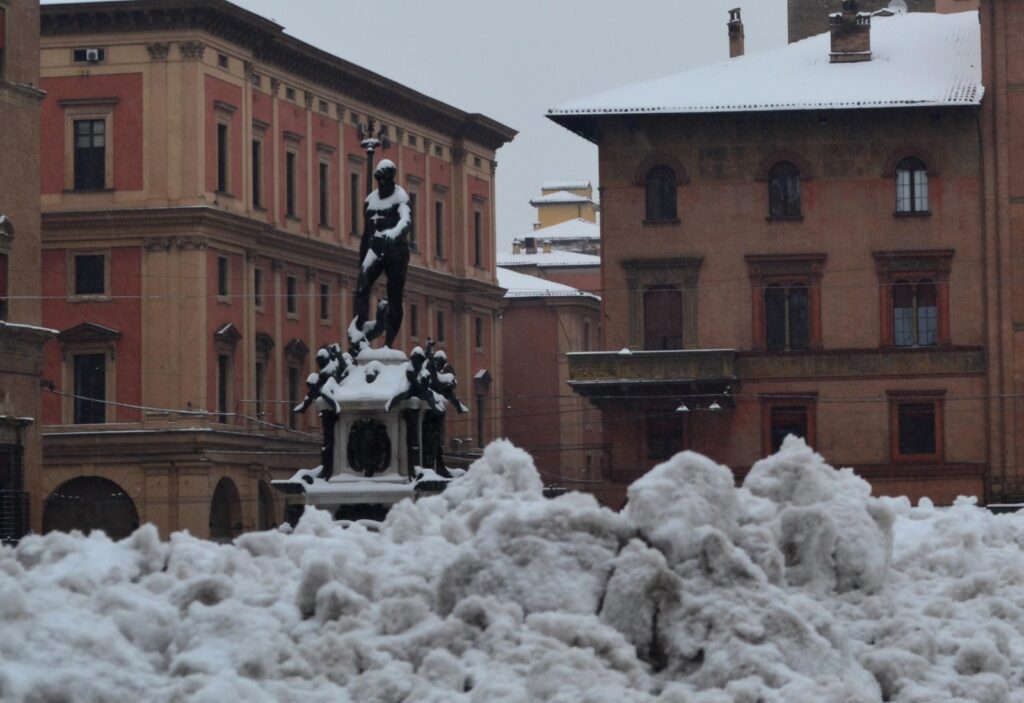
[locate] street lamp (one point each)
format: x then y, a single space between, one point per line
373 138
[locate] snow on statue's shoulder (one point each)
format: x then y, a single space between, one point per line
398 197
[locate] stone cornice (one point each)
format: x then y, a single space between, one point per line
269 44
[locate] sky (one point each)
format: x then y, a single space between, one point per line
514 60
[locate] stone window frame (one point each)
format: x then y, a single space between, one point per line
88 338
259 136
893 266
88 109
70 294
325 156
937 398
225 343
679 272
785 270
808 400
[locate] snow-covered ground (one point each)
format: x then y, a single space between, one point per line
796 587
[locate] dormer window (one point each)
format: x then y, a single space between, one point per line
911 186
660 189
784 191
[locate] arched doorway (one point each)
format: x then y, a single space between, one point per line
268 519
90 503
225 512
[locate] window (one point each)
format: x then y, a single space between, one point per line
787 317
414 320
257 173
439 229
478 240
414 215
440 326
412 140
223 386
660 192
477 163
293 395
786 301
325 194
289 93
913 291
325 302
478 332
357 210
915 314
784 190
291 285
911 186
90 154
664 436
257 80
586 336
786 415
260 381
663 318
222 277
95 55
322 106
916 425
3 39
90 383
481 419
4 273
257 287
438 150
290 174
90 274
222 60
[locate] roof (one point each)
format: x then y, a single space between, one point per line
918 60
268 41
520 285
554 259
560 196
565 185
576 228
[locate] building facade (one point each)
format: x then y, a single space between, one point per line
803 256
202 190
21 338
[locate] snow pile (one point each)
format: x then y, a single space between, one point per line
797 586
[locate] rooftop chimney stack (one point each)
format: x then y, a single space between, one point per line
851 34
735 33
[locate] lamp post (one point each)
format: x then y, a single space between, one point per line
374 137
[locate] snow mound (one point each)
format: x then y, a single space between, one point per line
797 586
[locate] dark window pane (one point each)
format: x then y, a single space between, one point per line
787 420
784 190
257 287
357 207
293 395
911 186
290 184
222 276
325 302
290 290
439 229
927 314
90 388
89 274
90 154
223 379
477 239
663 318
257 173
325 197
481 420
222 157
440 326
799 318
4 275
414 214
414 320
903 314
260 375
917 428
660 192
775 317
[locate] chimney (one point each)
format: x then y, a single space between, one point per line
547 246
735 33
517 246
851 34
531 245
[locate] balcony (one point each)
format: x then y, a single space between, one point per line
676 374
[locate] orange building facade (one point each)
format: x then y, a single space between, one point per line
202 187
823 271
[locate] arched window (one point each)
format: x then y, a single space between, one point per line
787 317
911 185
90 503
915 314
663 318
784 190
660 186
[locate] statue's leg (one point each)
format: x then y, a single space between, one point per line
368 275
328 420
396 266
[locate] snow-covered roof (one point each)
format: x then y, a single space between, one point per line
520 285
918 60
555 258
559 196
576 228
565 185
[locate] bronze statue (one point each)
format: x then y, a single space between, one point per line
384 249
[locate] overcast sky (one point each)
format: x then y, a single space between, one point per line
514 59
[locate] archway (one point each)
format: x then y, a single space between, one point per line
90 503
225 512
267 519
